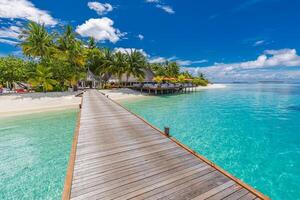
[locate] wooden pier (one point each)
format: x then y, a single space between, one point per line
118 155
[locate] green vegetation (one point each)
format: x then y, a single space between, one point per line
57 60
14 69
171 70
43 78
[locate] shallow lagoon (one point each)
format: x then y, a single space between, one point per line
34 154
253 131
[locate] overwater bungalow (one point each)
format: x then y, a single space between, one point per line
149 84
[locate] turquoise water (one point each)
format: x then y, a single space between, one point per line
34 154
252 131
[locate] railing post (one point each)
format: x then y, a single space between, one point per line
167 131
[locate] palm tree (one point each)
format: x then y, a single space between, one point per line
119 65
71 51
37 42
92 44
71 47
104 68
43 77
136 63
172 69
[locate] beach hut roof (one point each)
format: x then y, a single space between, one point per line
149 75
92 77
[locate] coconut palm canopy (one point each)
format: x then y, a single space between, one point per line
58 59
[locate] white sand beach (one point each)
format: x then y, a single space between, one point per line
19 104
211 86
127 94
120 94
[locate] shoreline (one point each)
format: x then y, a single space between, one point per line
121 94
24 104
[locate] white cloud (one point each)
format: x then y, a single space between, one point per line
190 62
152 1
175 59
140 36
259 42
166 8
159 4
10 32
6 41
157 60
129 50
101 29
100 8
9 35
24 9
272 64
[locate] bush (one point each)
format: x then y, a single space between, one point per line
59 88
200 82
107 86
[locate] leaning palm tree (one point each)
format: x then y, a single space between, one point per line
43 78
37 42
136 63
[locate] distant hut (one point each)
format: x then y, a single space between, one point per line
91 81
149 75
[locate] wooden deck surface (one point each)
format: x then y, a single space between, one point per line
120 156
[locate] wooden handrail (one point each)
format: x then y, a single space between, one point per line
69 175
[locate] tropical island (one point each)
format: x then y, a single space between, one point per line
125 100
59 61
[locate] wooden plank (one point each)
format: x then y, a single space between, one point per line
225 192
214 190
149 183
248 196
176 185
238 194
100 155
198 188
121 156
154 165
100 189
120 166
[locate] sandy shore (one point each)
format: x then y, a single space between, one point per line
120 94
211 86
127 94
20 104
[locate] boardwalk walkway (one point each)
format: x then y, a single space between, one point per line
119 156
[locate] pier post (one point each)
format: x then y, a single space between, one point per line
167 131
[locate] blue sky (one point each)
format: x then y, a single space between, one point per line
232 40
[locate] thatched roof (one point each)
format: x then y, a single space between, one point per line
92 77
149 75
